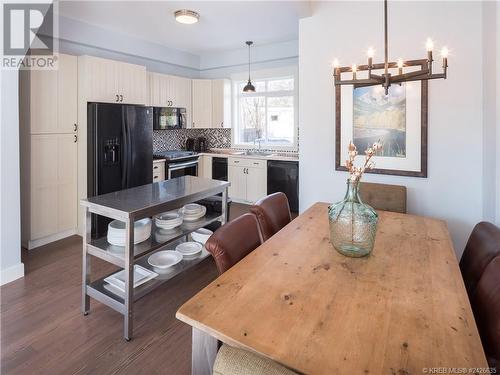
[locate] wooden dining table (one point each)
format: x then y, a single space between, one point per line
296 300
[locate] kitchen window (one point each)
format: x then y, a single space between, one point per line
267 116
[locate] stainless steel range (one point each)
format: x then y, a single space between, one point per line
179 163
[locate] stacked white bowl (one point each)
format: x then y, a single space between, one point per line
168 220
117 235
192 212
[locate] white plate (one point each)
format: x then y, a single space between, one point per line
141 275
117 235
164 259
120 240
189 217
201 235
192 208
189 248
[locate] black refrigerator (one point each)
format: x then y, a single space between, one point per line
120 151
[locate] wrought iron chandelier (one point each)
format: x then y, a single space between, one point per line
386 79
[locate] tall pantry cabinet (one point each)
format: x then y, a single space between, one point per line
49 152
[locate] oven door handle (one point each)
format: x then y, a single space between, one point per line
177 166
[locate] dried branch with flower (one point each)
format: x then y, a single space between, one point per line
357 172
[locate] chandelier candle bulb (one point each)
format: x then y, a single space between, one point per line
336 70
444 55
400 66
370 53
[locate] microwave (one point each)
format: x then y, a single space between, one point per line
165 118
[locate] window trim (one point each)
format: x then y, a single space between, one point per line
264 76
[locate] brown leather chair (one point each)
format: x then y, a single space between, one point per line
384 197
273 213
483 245
233 241
486 307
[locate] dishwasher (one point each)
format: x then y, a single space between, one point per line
214 204
283 176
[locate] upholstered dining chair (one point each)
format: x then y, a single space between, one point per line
486 307
233 241
273 213
230 361
384 197
483 245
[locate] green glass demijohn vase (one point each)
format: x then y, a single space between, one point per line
353 224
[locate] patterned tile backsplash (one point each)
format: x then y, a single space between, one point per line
165 140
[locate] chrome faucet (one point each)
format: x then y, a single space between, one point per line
257 140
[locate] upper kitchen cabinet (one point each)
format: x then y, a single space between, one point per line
112 81
169 91
202 103
53 98
221 103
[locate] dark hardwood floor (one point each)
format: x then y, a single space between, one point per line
44 332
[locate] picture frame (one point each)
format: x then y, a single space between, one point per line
415 141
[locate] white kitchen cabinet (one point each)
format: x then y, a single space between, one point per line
256 183
53 98
202 103
158 170
53 185
170 91
221 103
112 81
248 178
49 152
205 166
238 179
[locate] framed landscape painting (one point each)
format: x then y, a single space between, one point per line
365 115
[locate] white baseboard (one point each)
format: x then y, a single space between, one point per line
32 244
11 273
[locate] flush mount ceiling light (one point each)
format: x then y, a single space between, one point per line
186 16
386 79
249 87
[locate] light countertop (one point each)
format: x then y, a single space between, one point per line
224 153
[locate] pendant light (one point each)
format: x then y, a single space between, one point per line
249 87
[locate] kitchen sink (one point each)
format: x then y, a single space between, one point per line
258 153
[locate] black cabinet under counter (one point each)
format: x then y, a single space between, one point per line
283 176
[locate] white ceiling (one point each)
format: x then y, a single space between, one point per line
223 25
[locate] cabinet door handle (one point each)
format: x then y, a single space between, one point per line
76 138
117 98
236 161
155 167
121 98
222 124
75 127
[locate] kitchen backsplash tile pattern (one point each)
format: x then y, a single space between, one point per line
164 140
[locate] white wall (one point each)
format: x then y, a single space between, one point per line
10 219
490 200
454 189
497 33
